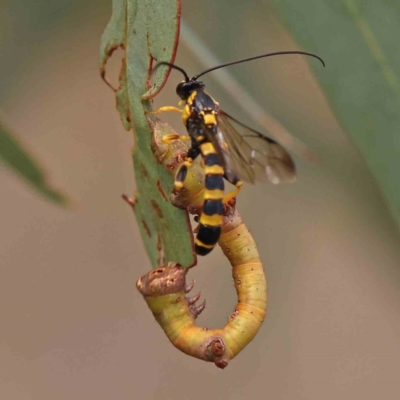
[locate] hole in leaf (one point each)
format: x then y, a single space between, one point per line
113 67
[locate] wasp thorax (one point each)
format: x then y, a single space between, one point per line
186 88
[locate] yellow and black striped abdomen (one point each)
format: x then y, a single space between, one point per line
211 218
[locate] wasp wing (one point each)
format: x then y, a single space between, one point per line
252 155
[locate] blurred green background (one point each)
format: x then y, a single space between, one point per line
74 325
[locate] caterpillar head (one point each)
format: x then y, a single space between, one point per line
164 280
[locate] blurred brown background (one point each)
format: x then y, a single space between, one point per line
73 324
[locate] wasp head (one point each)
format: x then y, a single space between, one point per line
186 88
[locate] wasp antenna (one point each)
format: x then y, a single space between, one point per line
173 66
278 53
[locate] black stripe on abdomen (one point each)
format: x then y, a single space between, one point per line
214 182
207 236
211 218
212 207
212 159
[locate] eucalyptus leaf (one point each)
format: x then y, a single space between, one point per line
148 31
19 159
359 42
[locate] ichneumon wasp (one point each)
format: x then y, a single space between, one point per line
230 149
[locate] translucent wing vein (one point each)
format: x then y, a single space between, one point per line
252 155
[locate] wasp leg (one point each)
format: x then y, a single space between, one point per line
232 178
233 194
165 109
168 139
193 153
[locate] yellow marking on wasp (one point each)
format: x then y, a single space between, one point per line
212 220
201 244
214 170
165 109
191 98
233 194
207 148
215 194
178 185
186 113
209 119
